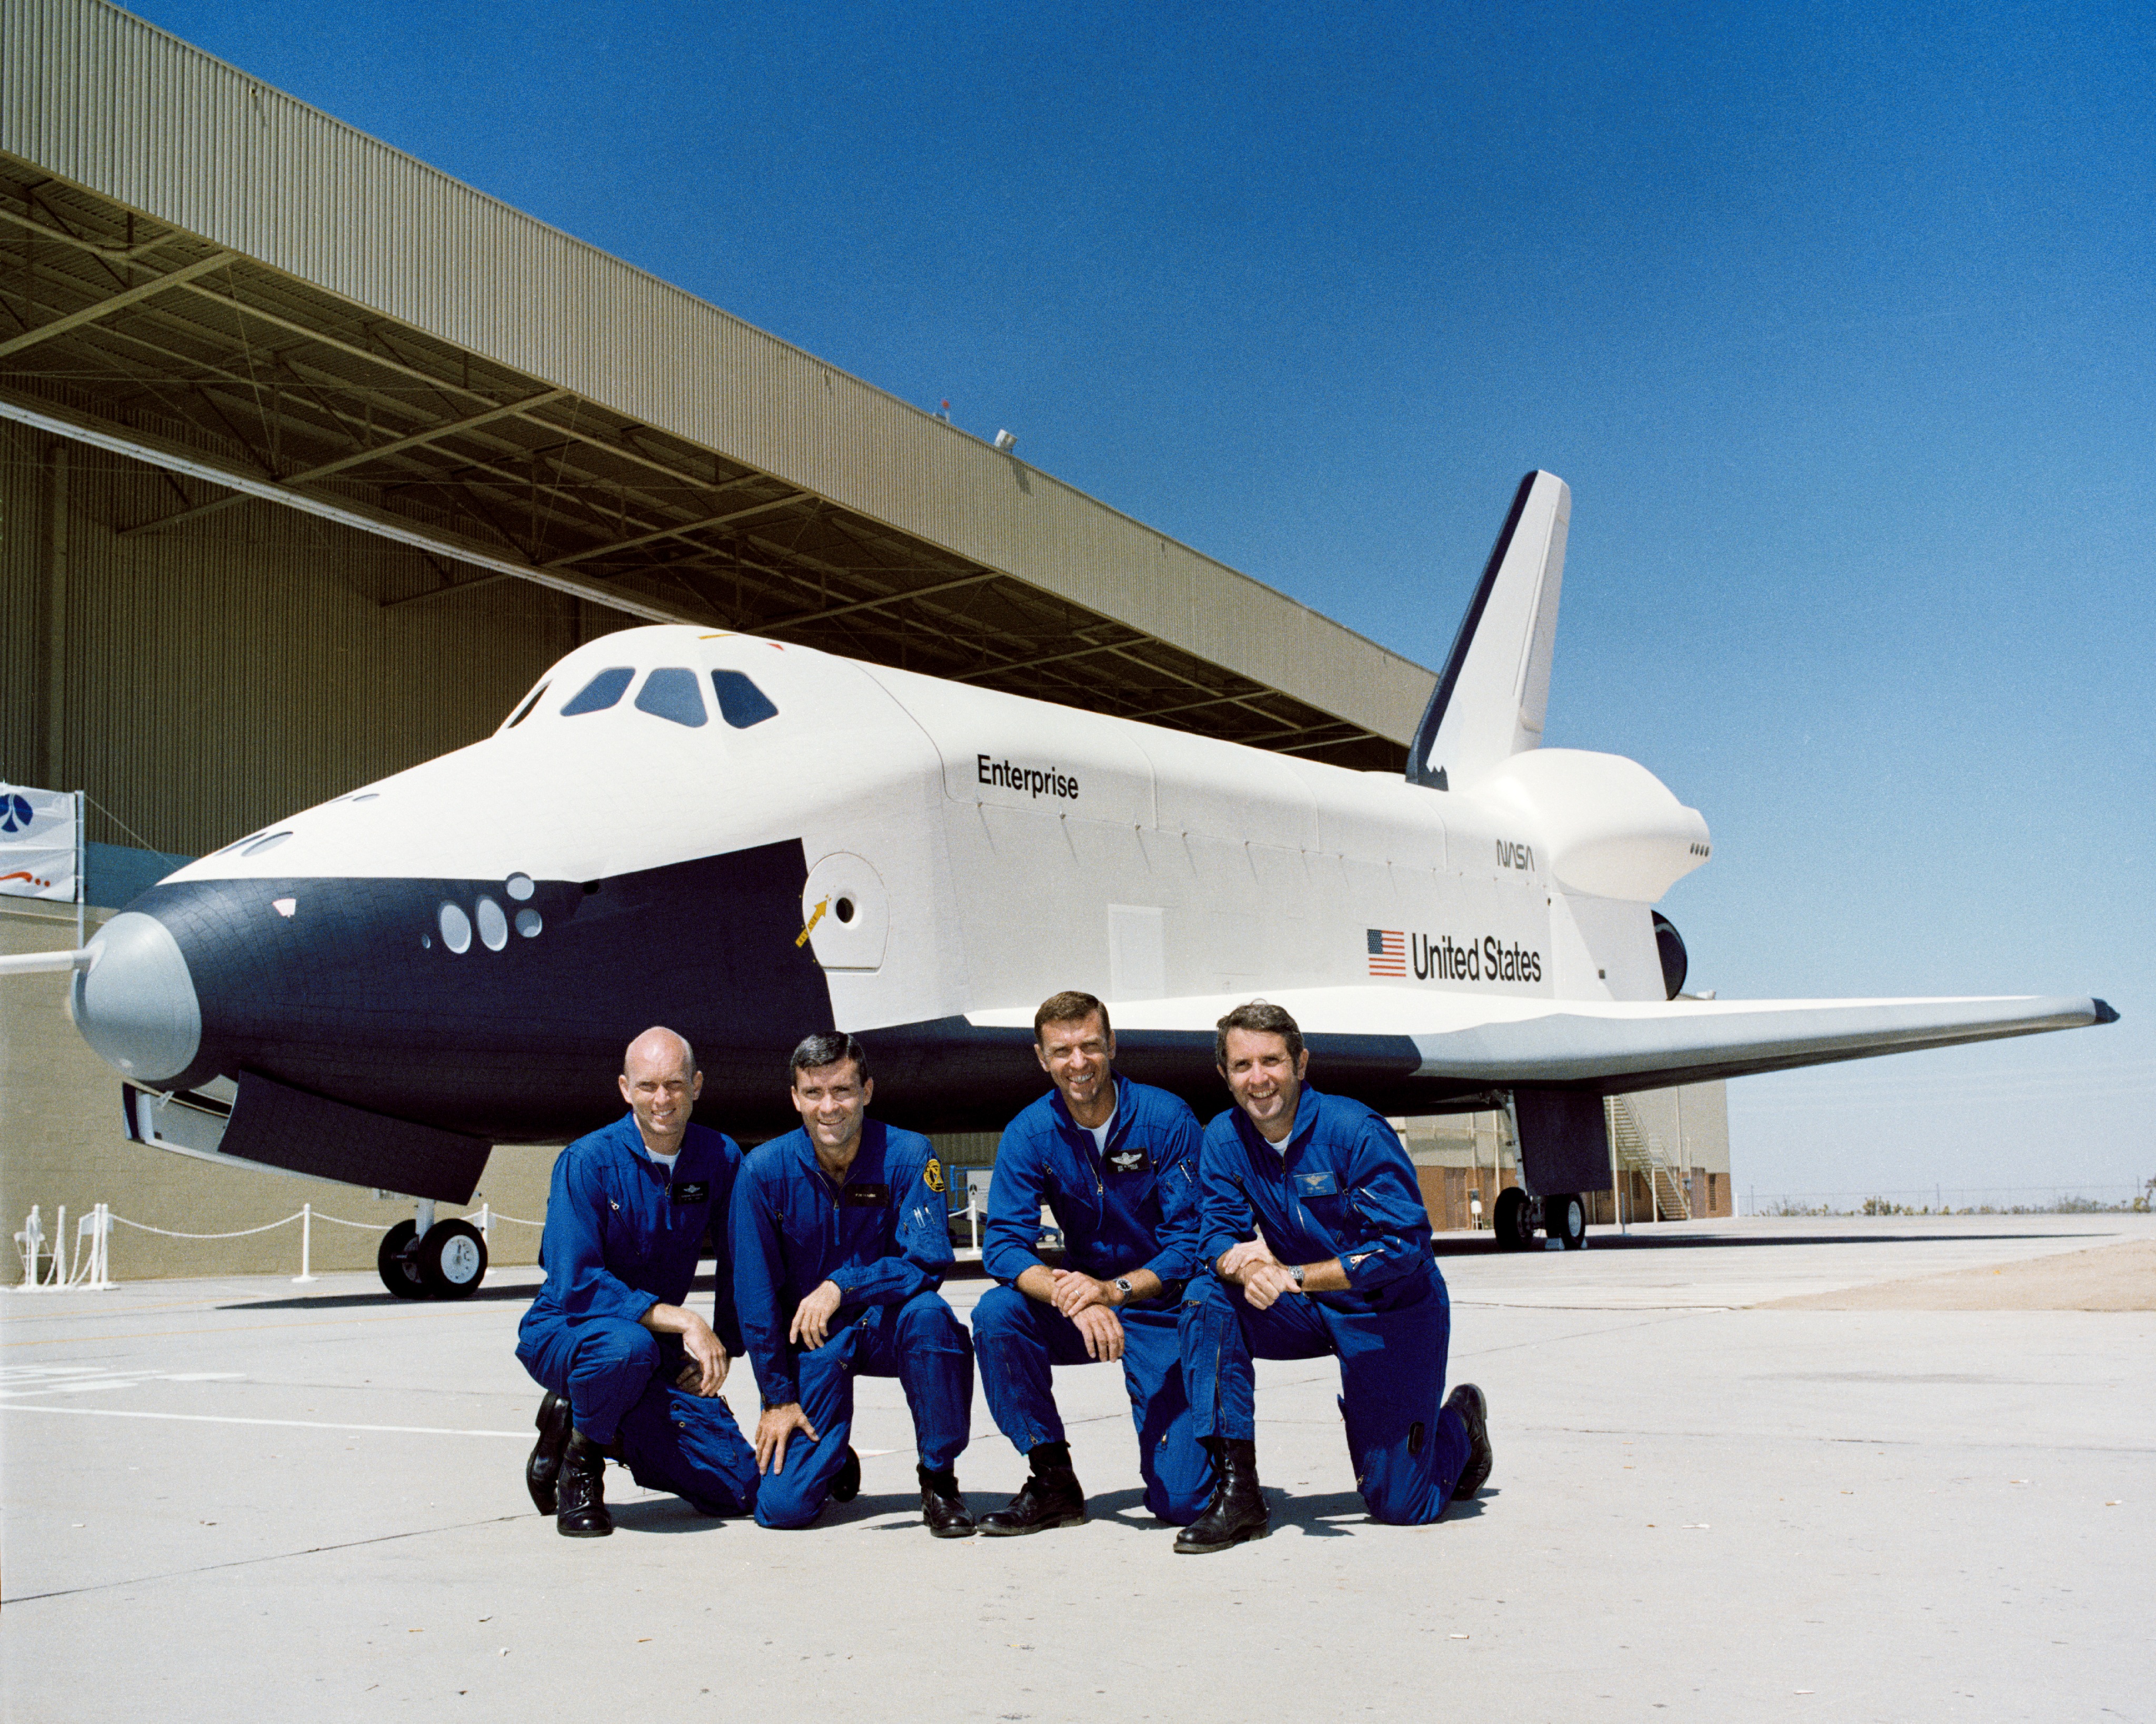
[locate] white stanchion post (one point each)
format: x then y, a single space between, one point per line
32 1240
101 1251
974 1220
59 1250
306 1245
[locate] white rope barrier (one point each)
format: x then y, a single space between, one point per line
244 1232
87 1266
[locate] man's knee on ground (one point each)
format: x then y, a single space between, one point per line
1400 1480
785 1506
1181 1499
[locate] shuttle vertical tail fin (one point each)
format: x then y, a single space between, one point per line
1494 691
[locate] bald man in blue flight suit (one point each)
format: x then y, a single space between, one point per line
1116 1163
840 1239
1344 1267
629 1371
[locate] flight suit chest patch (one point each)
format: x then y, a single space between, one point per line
692 1191
1131 1158
864 1195
1318 1185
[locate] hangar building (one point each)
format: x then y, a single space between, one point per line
311 459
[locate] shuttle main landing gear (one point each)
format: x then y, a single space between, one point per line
1562 1217
426 1258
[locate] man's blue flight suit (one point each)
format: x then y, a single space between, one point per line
1132 1206
1345 1188
622 1236
883 1236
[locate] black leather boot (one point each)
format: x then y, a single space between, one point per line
1052 1497
943 1511
581 1511
544 1467
846 1482
1237 1511
1468 1402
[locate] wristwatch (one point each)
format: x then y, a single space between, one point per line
1296 1270
1122 1286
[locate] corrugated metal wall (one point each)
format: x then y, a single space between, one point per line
214 678
101 98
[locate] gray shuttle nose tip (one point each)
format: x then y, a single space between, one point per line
135 1004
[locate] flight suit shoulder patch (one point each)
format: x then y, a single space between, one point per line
931 1176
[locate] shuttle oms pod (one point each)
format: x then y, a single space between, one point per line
747 841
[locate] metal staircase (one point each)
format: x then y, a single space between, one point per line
1641 1153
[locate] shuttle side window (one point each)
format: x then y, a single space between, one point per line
523 711
741 703
600 692
671 693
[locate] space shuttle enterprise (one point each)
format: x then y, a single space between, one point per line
748 840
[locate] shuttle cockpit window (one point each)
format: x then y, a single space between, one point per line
670 692
741 703
600 692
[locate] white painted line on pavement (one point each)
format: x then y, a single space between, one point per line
310 1424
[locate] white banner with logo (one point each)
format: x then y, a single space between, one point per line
38 842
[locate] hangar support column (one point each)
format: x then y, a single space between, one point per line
53 611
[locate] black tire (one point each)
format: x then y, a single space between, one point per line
452 1260
394 1262
1564 1220
1509 1220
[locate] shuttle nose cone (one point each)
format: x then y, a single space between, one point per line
135 1004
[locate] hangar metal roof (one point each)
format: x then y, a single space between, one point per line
273 305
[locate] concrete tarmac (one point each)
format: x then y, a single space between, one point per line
244 1499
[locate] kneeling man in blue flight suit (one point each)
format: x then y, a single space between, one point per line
629 1371
1117 1163
1344 1267
840 1241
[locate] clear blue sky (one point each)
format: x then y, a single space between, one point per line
1838 318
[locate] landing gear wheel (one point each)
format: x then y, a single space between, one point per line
394 1262
1510 1221
1564 1220
451 1260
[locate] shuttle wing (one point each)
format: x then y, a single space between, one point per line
1457 1042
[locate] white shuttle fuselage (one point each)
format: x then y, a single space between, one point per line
749 841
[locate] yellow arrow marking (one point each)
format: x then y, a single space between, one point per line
809 926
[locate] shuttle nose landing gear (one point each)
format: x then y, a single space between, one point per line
1565 1220
426 1258
1562 1217
1513 1221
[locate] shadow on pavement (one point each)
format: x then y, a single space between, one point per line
667 1515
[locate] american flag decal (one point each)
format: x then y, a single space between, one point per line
1388 952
